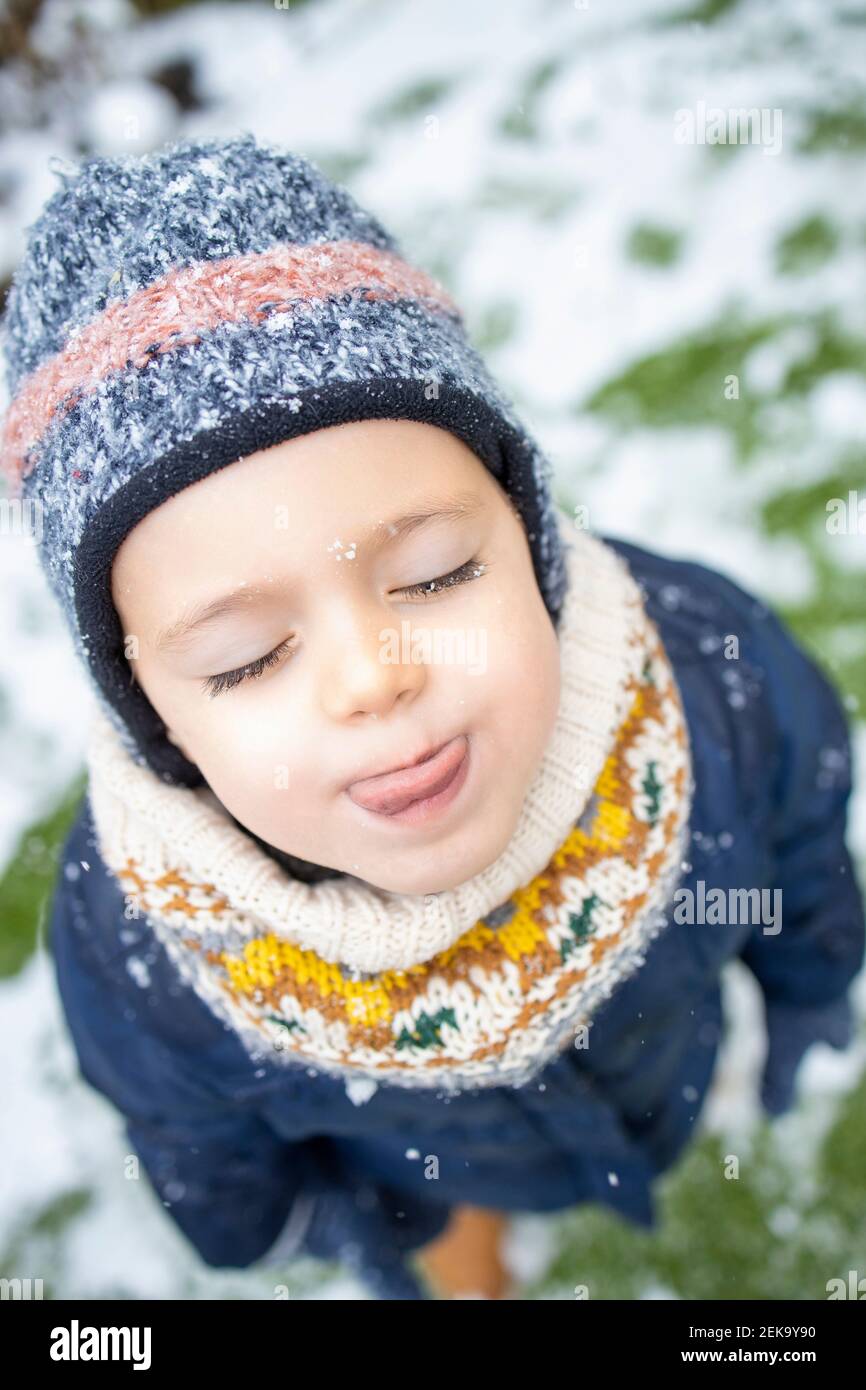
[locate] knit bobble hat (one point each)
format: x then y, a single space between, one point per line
176 312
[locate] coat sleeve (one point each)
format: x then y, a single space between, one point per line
806 968
228 1181
239 1191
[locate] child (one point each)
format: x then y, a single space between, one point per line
419 821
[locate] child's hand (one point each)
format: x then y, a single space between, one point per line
791 1029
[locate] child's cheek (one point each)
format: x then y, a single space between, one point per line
255 752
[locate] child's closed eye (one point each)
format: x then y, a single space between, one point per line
227 680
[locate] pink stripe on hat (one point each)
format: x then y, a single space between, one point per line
177 308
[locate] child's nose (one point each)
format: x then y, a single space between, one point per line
368 673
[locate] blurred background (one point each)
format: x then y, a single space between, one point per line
682 323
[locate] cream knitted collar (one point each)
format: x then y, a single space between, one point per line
302 968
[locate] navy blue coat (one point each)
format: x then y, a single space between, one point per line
255 1162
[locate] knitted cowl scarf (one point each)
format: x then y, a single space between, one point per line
478 985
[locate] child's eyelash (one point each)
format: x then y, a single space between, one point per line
226 680
215 685
471 570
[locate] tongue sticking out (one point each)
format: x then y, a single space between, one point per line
394 791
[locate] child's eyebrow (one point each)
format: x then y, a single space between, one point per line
375 538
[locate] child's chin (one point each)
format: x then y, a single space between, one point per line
420 880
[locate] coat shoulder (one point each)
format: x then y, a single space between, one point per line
696 607
753 695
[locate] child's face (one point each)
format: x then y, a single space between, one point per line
365 678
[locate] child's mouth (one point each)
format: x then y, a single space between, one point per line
417 792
